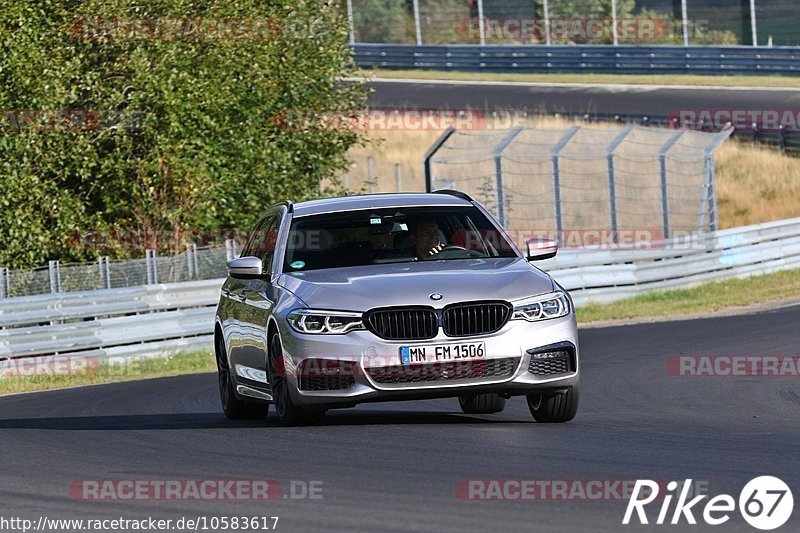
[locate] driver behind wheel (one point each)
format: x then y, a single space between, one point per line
427 238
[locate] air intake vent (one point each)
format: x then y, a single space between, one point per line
475 318
451 371
325 374
399 324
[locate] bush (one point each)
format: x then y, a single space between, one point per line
162 136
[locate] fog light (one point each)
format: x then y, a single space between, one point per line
331 370
326 368
548 355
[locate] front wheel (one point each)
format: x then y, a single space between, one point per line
561 406
289 413
233 407
482 404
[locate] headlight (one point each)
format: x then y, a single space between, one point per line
324 322
543 307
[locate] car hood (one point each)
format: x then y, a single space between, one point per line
365 287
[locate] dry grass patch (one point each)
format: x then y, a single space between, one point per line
756 184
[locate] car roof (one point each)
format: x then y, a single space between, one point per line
375 201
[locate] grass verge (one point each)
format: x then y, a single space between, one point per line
791 82
706 298
76 372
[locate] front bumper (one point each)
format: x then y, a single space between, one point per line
508 350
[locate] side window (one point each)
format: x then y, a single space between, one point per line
265 238
249 245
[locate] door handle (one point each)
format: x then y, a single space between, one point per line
241 297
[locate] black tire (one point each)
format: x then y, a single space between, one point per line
554 406
289 413
233 407
482 404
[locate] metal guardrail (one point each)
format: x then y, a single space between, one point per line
121 323
624 59
90 305
158 319
608 275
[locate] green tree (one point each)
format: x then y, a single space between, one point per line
383 21
181 131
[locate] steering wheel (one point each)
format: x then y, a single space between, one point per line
449 248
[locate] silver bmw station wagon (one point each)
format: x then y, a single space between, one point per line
390 297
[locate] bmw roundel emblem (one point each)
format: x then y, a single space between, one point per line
436 296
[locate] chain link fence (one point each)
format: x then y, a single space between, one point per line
654 182
570 22
193 264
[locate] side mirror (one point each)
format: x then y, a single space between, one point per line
539 249
245 268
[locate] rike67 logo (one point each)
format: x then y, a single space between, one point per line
765 503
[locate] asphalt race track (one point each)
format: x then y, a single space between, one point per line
576 99
395 466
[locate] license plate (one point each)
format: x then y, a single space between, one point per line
432 353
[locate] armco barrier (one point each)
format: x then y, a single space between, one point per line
126 322
608 275
624 59
156 319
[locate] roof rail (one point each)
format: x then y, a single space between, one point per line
457 194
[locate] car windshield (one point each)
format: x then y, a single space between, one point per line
392 235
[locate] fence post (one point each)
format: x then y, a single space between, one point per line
481 26
498 172
710 200
230 249
614 30
430 152
662 162
191 259
102 269
351 22
417 29
711 193
5 289
612 185
55 276
547 22
562 142
152 268
685 23
370 174
398 178
194 260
